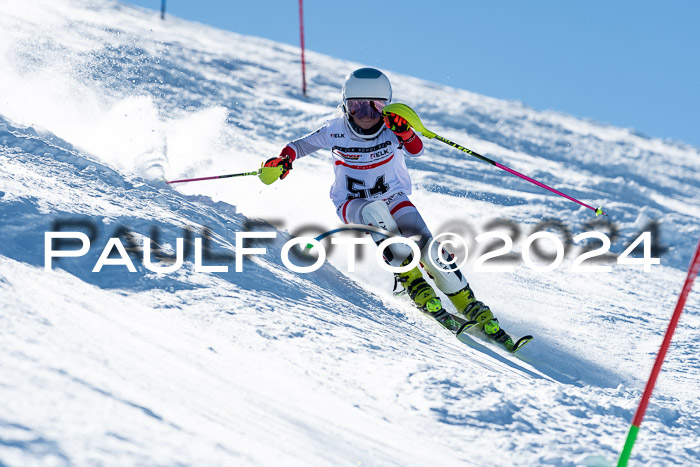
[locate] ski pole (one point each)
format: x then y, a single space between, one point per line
649 389
267 175
412 118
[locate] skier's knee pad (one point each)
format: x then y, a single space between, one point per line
448 278
377 215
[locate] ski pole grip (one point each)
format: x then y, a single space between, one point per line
410 116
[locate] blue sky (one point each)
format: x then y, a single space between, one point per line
634 64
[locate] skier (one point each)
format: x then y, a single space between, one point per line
372 185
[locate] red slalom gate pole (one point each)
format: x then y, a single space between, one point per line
303 60
639 414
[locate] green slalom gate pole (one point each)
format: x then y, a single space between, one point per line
266 175
412 118
639 414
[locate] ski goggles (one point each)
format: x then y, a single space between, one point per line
365 108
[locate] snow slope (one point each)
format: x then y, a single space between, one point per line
99 102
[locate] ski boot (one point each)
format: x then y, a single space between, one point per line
423 295
494 332
474 310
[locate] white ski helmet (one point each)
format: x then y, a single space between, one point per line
366 84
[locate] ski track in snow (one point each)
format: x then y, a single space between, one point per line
98 102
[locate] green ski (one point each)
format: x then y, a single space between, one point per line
501 337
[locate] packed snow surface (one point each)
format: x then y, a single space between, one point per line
100 102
